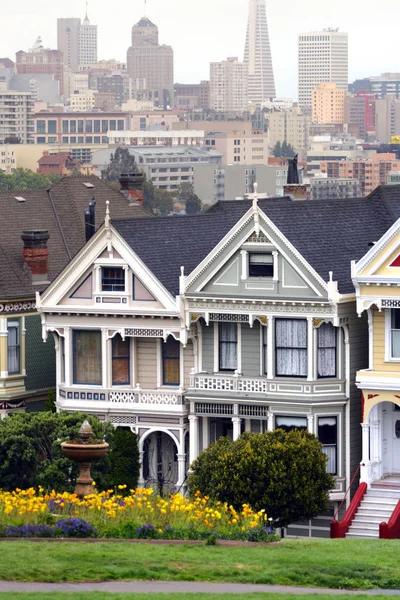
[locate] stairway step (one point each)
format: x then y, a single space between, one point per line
364 526
375 503
373 519
383 493
359 535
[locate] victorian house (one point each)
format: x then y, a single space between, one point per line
242 318
41 231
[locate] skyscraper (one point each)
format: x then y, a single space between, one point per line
78 42
257 55
228 86
151 65
322 58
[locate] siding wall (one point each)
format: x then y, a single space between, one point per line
208 347
379 344
40 357
251 350
147 363
188 362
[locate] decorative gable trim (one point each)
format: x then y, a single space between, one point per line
373 252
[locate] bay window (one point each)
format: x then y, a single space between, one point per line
13 347
171 361
288 423
120 360
326 343
228 347
291 347
327 433
395 333
87 357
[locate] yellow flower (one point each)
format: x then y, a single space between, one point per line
93 483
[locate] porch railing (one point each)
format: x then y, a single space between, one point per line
339 530
391 530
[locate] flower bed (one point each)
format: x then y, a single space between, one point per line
139 514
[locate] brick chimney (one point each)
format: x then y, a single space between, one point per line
36 254
132 187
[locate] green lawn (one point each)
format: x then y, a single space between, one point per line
348 564
105 596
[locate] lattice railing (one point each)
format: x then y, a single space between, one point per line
228 384
157 397
121 396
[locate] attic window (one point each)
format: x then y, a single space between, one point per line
88 185
261 265
20 198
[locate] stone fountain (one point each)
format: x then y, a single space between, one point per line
84 451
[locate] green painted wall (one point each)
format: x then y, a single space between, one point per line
40 358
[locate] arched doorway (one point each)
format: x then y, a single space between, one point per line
384 441
160 462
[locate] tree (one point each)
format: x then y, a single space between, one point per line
12 139
25 179
283 473
163 202
30 450
185 195
124 459
120 162
283 150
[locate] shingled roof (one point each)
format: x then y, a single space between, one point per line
328 233
60 210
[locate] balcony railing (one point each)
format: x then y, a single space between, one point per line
123 396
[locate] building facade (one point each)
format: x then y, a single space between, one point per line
8 158
151 65
328 104
359 110
192 96
87 51
379 85
78 42
325 188
229 85
16 116
239 146
257 55
41 61
322 58
369 172
387 118
289 126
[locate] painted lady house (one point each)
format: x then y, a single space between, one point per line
242 318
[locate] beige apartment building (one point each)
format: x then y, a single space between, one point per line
82 101
328 103
239 148
289 126
151 65
16 116
322 57
387 118
78 42
8 158
229 85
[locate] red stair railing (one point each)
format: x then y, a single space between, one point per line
339 530
391 530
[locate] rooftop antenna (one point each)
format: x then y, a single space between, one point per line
145 8
86 16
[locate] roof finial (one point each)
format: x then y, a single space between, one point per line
255 211
86 15
107 219
255 196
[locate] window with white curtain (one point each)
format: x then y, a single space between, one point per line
228 342
291 347
13 347
327 433
326 335
288 423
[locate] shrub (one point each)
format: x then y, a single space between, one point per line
124 460
283 473
75 528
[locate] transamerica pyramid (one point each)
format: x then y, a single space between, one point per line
257 55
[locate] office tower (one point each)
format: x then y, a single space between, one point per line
322 58
78 42
327 104
151 65
387 118
228 86
257 55
40 61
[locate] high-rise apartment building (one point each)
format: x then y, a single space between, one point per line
387 118
151 65
322 58
359 111
16 116
39 61
78 42
228 86
257 55
328 104
289 126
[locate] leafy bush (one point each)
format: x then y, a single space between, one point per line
124 459
76 528
283 473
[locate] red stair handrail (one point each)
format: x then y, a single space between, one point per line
339 530
391 530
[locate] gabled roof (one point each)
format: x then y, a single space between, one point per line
328 233
145 22
54 159
60 210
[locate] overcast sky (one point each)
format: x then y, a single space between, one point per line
201 31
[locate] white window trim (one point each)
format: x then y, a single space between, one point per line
338 415
216 349
388 329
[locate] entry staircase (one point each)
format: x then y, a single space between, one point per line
377 506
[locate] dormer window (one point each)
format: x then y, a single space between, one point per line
261 265
113 279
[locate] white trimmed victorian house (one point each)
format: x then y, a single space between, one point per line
242 318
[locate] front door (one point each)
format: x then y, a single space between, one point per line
395 435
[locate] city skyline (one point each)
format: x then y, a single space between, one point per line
220 31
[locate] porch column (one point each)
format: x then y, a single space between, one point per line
181 470
206 433
364 470
270 421
141 479
193 438
68 351
310 420
236 427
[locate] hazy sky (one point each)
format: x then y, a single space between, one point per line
201 31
